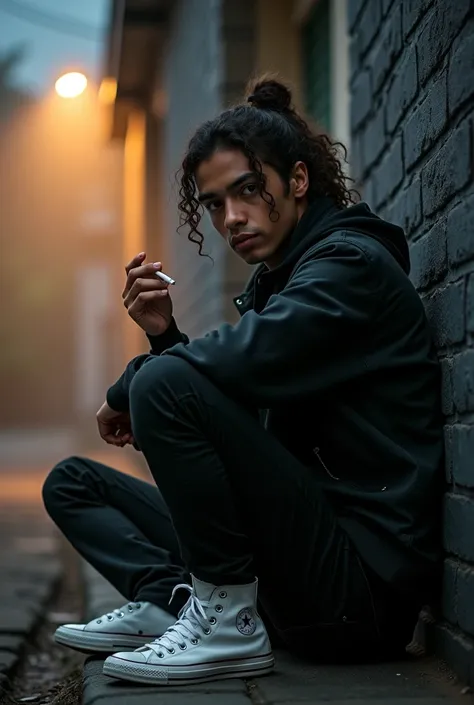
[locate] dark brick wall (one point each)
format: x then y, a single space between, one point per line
412 87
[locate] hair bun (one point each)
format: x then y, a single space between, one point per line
270 94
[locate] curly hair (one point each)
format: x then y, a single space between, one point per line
267 129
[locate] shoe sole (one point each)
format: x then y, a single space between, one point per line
88 642
182 675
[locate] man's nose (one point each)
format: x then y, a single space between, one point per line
234 216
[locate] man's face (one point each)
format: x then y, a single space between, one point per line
229 190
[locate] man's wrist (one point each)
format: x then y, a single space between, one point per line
171 336
153 334
116 399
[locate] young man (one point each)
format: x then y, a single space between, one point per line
300 447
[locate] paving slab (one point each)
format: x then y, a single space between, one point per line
379 701
11 642
297 682
107 691
291 684
17 620
21 568
7 661
3 683
29 573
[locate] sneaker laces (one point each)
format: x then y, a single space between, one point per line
119 613
192 620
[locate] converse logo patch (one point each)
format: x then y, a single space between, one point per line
245 622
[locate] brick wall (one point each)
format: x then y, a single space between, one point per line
412 88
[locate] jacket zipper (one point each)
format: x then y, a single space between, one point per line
318 455
333 477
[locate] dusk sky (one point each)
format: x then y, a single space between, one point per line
52 49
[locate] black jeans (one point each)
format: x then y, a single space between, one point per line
233 503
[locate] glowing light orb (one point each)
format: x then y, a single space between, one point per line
71 85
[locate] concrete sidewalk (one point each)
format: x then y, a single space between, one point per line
29 574
420 682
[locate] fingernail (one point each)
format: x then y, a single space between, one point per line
141 254
157 265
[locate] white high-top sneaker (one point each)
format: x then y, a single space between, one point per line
129 627
219 634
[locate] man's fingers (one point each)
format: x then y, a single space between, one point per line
144 298
135 262
108 433
114 427
145 271
142 286
111 439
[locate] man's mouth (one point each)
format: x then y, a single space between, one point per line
242 241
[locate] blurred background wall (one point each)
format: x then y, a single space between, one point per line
60 228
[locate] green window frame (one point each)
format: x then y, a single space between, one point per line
316 43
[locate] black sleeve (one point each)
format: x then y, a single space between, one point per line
305 339
171 336
303 342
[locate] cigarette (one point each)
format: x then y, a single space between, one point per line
165 278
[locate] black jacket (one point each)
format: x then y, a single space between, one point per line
334 350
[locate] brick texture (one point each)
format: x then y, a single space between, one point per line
412 116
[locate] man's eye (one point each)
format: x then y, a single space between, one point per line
249 190
213 206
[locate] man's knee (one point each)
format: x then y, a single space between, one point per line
164 377
62 473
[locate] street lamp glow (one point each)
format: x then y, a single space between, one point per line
71 85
